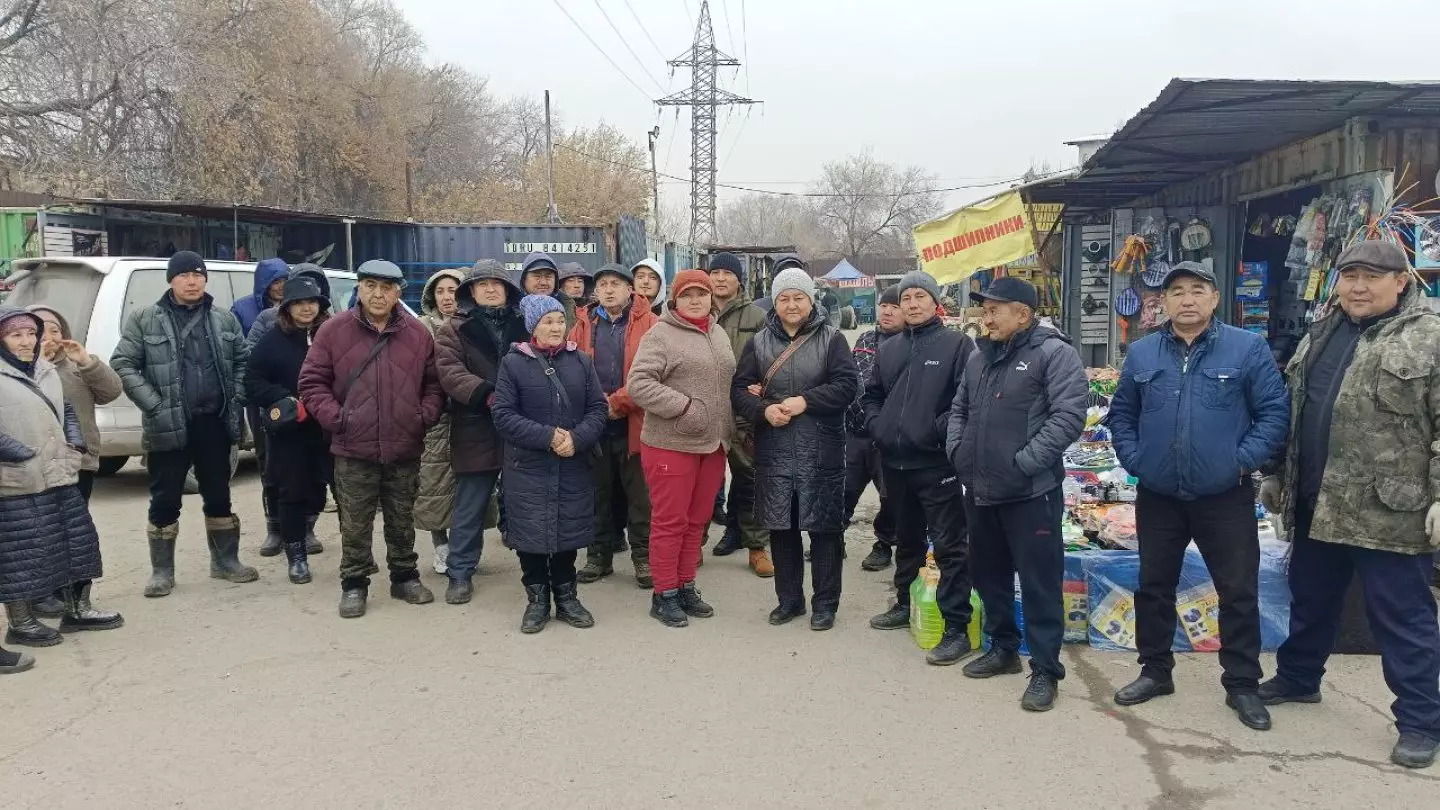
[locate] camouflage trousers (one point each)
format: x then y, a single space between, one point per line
741 509
361 487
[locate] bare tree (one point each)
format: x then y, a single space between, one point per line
870 206
772 219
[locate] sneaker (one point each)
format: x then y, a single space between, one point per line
954 647
995 662
1276 691
442 558
896 618
1040 694
1414 750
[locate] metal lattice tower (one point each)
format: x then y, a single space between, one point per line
703 98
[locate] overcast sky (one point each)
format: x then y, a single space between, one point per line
972 91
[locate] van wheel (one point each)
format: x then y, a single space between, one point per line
109 465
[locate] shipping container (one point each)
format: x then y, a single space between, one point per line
436 247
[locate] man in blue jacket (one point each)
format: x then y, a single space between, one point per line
1200 407
270 278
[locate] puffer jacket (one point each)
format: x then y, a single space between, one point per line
549 500
1193 426
435 495
147 358
265 321
86 386
247 309
47 539
1021 404
1382 472
641 321
864 355
803 463
384 415
908 395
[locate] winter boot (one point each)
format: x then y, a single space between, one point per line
760 563
643 580
665 607
162 559
568 608
411 591
299 559
274 543
537 612
729 542
353 594
692 604
599 563
621 544
878 559
81 615
25 630
11 663
312 543
223 535
51 607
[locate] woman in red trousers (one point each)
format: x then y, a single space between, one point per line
681 378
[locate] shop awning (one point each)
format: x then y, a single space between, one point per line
1195 127
205 210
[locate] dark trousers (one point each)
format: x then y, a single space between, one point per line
931 499
862 468
300 473
787 551
1022 538
1398 603
269 492
620 480
1224 529
207 448
364 486
742 499
467 527
86 484
547 569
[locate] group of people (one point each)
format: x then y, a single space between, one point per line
600 412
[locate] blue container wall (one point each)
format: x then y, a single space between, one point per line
440 246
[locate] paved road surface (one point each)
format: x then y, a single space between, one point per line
237 696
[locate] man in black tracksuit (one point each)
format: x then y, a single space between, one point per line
1022 403
862 457
907 410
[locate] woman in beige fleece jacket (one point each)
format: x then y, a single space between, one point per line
681 378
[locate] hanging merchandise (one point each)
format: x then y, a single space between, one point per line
1154 275
1132 256
1260 226
1196 235
1285 226
1127 303
1251 286
1152 310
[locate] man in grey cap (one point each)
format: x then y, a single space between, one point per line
1359 486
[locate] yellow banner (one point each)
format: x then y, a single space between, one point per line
987 234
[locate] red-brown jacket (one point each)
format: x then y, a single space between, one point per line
583 336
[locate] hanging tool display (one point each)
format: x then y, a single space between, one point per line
1132 256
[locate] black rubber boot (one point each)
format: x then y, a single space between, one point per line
162 559
51 607
459 591
274 543
692 604
25 630
665 607
411 591
81 615
568 608
13 662
729 542
599 563
353 594
537 611
223 535
312 543
299 571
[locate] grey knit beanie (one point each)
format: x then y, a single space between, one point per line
792 278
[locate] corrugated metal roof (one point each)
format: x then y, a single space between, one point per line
1197 126
204 210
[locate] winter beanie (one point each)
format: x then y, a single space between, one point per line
920 279
185 261
891 295
792 278
730 263
535 307
685 279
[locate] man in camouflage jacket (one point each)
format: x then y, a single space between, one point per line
1360 489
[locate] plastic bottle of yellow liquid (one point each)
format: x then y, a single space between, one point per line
926 623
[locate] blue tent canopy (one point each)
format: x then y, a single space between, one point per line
844 271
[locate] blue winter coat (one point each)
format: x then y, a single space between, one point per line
1193 427
249 308
549 500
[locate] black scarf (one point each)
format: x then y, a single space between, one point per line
28 369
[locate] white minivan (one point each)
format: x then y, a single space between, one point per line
96 294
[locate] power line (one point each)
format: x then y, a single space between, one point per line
745 44
728 30
601 51
738 132
644 29
626 42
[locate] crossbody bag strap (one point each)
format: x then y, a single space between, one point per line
360 369
35 389
780 361
560 391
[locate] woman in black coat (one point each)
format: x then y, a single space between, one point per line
299 461
550 409
795 379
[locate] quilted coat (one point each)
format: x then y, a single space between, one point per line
47 539
803 463
147 358
549 500
384 415
468 360
435 497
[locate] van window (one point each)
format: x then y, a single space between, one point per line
69 288
340 290
147 286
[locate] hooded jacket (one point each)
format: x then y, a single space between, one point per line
1020 405
265 321
640 321
467 358
658 305
544 262
908 395
248 309
435 494
429 311
94 383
